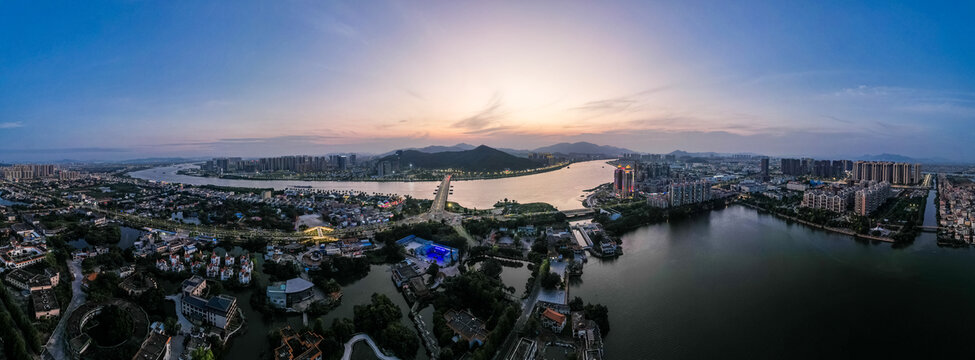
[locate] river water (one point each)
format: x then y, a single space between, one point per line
562 188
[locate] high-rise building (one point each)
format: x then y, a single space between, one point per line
624 180
885 171
792 167
836 200
764 168
691 192
870 198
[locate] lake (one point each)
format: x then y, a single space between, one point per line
736 283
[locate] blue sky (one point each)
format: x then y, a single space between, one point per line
129 79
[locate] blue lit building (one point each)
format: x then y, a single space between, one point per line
429 250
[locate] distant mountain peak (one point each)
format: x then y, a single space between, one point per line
583 147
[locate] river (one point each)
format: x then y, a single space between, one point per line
563 188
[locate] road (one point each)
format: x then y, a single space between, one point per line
440 201
57 345
364 337
527 306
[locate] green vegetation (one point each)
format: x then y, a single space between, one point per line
481 158
112 326
202 354
551 280
514 208
239 190
380 319
412 206
104 287
15 318
483 227
637 214
242 214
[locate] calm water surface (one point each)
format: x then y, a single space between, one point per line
739 284
254 340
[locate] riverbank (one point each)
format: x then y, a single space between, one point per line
434 178
819 226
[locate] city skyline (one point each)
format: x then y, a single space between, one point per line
827 79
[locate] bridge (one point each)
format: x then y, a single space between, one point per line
578 213
930 228
440 200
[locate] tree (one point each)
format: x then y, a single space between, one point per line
343 329
202 354
375 316
433 269
600 314
576 304
551 280
491 267
401 340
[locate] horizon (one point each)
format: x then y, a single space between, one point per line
130 80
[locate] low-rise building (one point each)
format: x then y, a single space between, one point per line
295 346
154 347
216 311
285 294
553 320
466 327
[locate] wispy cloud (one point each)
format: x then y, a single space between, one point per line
65 150
487 116
617 104
11 125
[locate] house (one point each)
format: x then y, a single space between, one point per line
213 270
295 346
162 265
226 273
45 303
25 280
17 256
229 260
214 259
245 276
466 327
553 320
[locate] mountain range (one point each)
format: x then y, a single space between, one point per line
481 158
561 148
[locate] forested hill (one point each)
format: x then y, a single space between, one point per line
481 158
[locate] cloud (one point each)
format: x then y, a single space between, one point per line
618 104
65 150
484 118
11 125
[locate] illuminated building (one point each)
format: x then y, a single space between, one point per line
624 179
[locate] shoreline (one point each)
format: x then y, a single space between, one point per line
454 178
823 227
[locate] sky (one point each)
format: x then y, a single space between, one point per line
133 79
